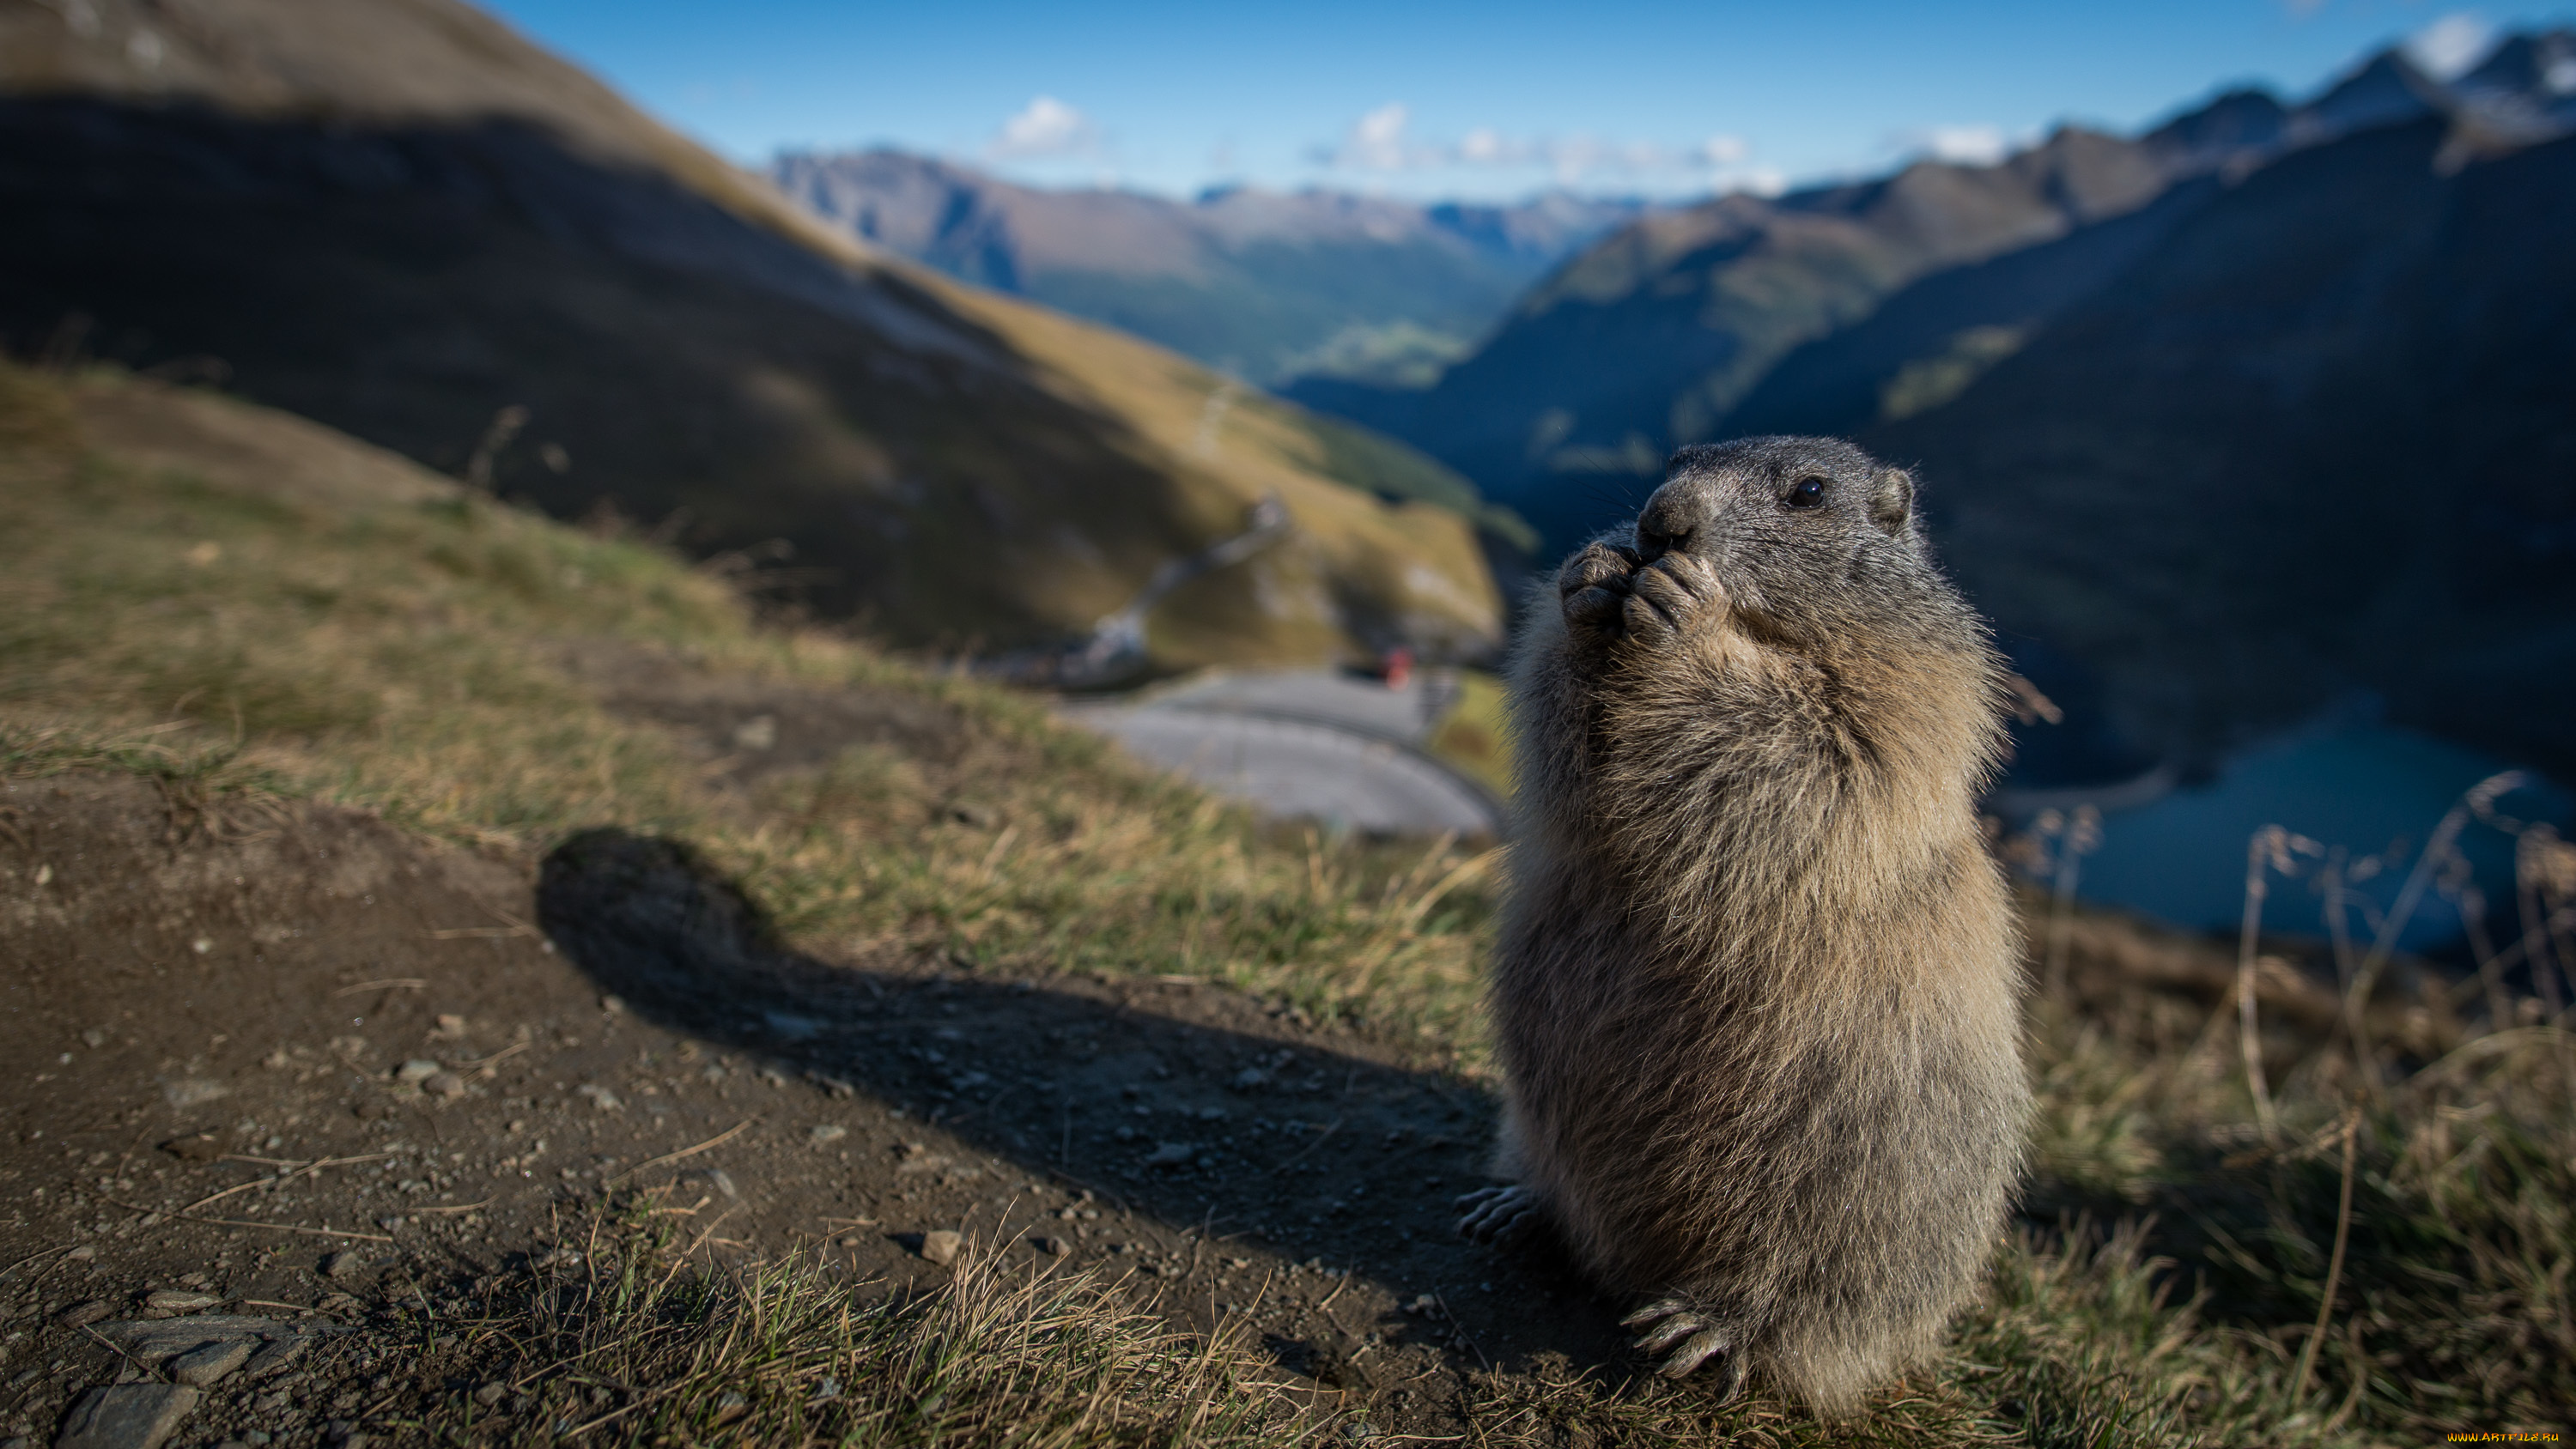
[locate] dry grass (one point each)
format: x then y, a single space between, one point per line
421 659
617 1339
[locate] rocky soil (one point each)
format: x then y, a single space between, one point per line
283 1072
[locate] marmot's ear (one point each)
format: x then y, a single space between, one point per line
1891 500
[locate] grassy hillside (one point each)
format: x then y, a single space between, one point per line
404 220
244 607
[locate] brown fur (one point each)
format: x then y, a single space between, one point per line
1756 991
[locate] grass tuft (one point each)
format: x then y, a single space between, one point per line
620 1339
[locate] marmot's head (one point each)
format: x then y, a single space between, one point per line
1810 536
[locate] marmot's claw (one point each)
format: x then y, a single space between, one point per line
1675 1322
1593 566
1594 608
1664 596
1497 1214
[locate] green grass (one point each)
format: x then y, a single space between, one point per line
437 663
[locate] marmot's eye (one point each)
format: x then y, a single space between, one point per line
1810 493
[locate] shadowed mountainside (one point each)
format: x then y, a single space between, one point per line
2262 410
2322 439
1269 285
400 218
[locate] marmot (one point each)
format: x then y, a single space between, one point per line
1756 994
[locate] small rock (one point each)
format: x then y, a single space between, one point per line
81 1254
205 1367
195 1147
172 1300
1172 1154
80 1315
191 1091
276 1355
612 1005
1249 1078
450 1026
343 1265
1053 1247
417 1071
491 1393
941 1247
975 817
127 1416
760 732
443 1084
827 1132
600 1097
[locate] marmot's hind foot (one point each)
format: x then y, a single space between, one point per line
1498 1214
1699 1340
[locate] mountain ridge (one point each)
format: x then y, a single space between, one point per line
1268 284
402 219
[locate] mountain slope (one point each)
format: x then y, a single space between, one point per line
399 218
1261 283
2321 439
1657 333
1684 325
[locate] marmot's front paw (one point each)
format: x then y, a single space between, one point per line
1665 596
1692 1340
1592 586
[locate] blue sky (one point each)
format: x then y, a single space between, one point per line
1483 100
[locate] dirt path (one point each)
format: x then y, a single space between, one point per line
300 1067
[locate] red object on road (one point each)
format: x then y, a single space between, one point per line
1399 667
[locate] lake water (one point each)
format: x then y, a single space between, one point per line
2180 855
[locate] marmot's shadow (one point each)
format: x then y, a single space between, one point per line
1054 1082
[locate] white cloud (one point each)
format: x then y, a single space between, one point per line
1044 127
1972 145
2450 46
1382 140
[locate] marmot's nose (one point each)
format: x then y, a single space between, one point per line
1681 510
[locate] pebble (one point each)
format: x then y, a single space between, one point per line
82 1314
343 1265
444 1084
828 1132
942 1247
1172 1154
191 1091
195 1147
1053 1247
417 1070
126 1416
171 1300
491 1393
208 1366
600 1097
